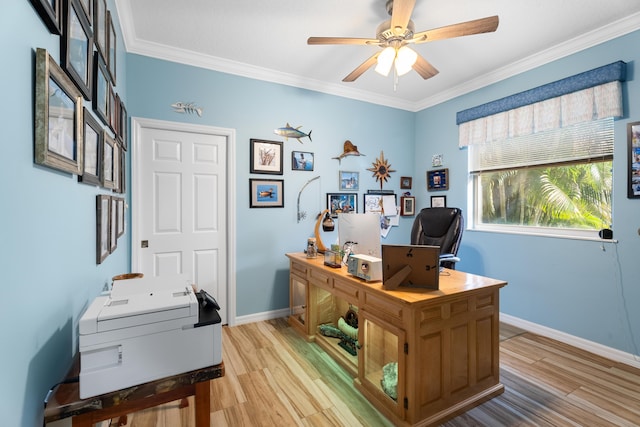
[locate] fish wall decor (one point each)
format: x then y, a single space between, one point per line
348 149
290 132
187 107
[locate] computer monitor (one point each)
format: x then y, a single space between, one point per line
363 229
413 266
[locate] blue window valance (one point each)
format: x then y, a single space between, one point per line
608 73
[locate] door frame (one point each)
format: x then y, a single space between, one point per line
137 126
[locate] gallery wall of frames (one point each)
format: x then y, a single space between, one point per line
80 121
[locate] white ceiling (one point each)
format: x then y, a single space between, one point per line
267 40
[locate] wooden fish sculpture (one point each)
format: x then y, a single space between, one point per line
290 132
348 150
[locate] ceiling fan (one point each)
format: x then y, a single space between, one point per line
395 34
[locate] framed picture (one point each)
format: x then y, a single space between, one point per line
111 47
58 117
123 126
405 182
301 161
50 13
100 27
266 193
103 203
87 8
120 216
101 89
349 181
407 206
438 201
633 141
117 164
438 180
342 203
266 156
113 224
113 113
373 201
77 47
108 156
92 158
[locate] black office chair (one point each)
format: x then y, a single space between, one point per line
439 227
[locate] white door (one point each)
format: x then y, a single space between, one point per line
180 205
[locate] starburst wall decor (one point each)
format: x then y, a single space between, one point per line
381 169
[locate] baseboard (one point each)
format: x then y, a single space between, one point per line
590 346
265 315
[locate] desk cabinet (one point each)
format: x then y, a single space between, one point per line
422 356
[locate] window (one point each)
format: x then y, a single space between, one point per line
553 182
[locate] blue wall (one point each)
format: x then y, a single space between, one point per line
47 255
255 109
48 250
583 288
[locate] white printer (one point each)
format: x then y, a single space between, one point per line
146 329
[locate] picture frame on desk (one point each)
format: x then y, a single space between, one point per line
58 117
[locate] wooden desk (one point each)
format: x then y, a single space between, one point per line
65 402
443 344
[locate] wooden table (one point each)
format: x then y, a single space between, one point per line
65 401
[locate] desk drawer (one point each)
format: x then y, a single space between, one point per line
319 278
298 269
346 290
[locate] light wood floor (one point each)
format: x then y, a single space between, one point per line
274 378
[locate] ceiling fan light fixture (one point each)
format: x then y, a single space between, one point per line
405 59
385 61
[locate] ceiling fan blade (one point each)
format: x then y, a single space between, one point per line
424 68
477 26
401 14
362 68
341 40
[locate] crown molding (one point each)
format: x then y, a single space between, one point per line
183 56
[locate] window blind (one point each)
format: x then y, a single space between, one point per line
576 143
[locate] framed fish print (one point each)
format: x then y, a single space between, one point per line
77 47
58 117
50 12
266 193
265 156
92 142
